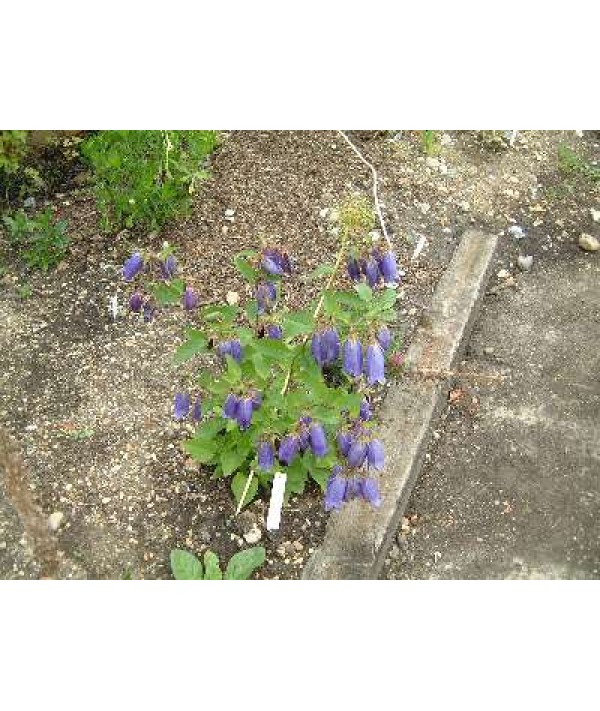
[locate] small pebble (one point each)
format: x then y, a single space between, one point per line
589 243
55 520
525 263
516 232
253 536
503 274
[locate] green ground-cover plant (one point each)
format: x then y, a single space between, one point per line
186 566
430 141
570 163
145 178
41 239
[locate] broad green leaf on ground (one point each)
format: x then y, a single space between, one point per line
243 564
202 450
195 343
211 566
185 565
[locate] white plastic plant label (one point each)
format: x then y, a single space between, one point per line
276 502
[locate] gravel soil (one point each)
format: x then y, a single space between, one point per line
89 399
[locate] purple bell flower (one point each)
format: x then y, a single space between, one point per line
231 406
274 331
352 488
133 266
375 455
371 270
365 410
266 295
357 454
369 490
272 263
330 345
384 337
316 348
344 442
182 406
389 268
266 456
288 449
135 302
318 440
168 267
236 350
190 299
353 359
244 413
197 411
335 490
353 269
375 364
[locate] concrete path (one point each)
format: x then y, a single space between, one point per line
511 487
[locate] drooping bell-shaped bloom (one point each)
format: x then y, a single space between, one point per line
244 413
288 449
371 271
353 269
344 442
148 310
384 337
335 490
231 406
133 266
190 299
318 440
316 348
330 345
136 301
369 490
304 433
168 267
256 398
182 406
353 359
375 364
272 263
389 268
266 295
274 331
375 455
365 410
197 411
266 456
232 348
286 263
352 488
357 454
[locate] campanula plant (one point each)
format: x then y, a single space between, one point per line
293 393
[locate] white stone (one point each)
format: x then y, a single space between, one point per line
595 214
232 298
229 212
503 274
55 520
516 232
589 243
254 535
525 262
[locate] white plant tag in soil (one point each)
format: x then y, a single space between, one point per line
276 502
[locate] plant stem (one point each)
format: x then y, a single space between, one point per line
375 187
243 496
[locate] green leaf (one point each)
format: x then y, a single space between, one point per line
243 564
238 484
185 565
262 369
298 324
168 293
211 566
200 449
234 371
244 268
364 291
321 270
232 460
195 343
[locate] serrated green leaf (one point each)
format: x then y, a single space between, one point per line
195 343
244 268
185 565
244 563
167 294
262 368
298 324
232 459
211 566
201 450
320 271
238 484
234 371
364 291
